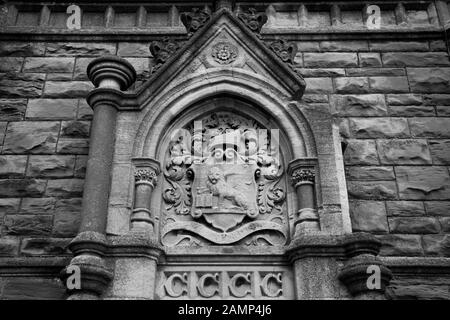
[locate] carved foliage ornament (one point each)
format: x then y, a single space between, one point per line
162 51
144 175
194 20
285 50
253 20
303 175
224 52
223 185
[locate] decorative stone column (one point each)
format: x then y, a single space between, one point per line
146 176
302 173
111 75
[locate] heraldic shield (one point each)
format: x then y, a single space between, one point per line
223 187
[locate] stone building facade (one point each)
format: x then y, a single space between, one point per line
224 150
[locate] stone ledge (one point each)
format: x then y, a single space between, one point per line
418 266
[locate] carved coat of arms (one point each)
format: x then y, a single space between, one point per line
223 186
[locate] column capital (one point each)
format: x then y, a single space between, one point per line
146 170
111 72
302 170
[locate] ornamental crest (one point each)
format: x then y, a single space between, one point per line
223 185
224 53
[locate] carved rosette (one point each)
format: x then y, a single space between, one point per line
253 20
223 186
194 20
224 53
285 50
162 51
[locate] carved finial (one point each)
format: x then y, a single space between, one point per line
194 20
255 21
303 175
162 51
285 50
145 175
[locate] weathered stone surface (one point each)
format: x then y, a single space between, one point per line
52 108
398 46
379 127
80 68
403 151
33 289
368 216
438 208
437 245
445 224
443 111
31 137
59 76
48 65
417 291
9 246
351 85
36 225
412 111
80 49
11 64
440 151
44 246
437 45
9 205
315 98
361 152
308 46
75 129
369 59
85 111
80 166
400 245
37 206
21 187
369 173
141 65
51 166
21 49
21 85
375 72
429 80
330 60
65 187
436 99
372 189
12 109
423 182
430 127
69 205
67 89
414 225
315 73
344 45
73 146
66 223
2 131
359 105
12 166
415 59
388 84
319 85
405 208
134 49
404 99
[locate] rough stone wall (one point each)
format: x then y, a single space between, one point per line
391 99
